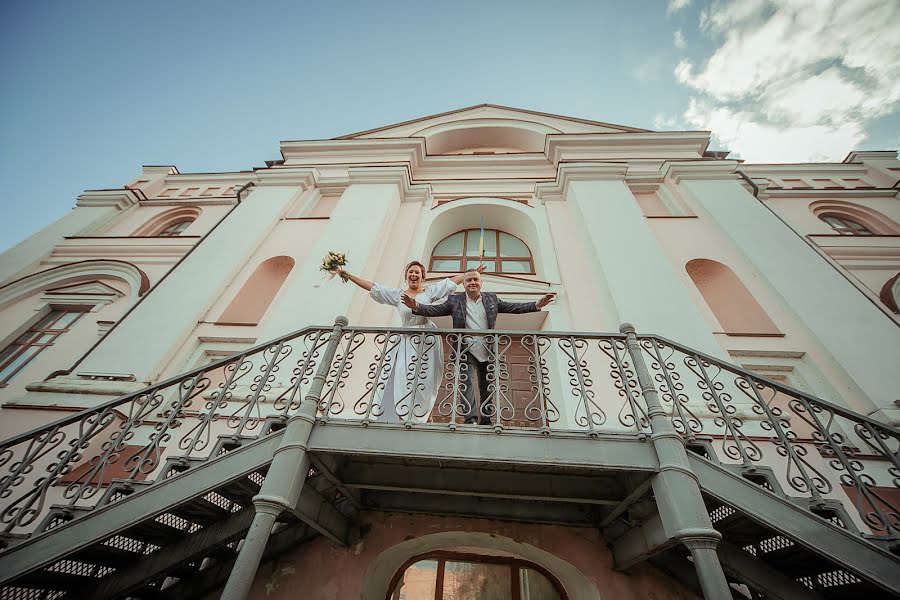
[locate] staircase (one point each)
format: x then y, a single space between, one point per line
150 495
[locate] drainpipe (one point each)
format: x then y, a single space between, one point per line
68 371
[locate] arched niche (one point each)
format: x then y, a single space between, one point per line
72 273
491 135
728 298
257 293
511 217
383 568
871 219
162 221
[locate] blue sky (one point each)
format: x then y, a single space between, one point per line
93 90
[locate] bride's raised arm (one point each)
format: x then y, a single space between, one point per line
458 279
363 283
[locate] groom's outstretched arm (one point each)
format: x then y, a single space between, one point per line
518 308
427 310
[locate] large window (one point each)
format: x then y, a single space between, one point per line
845 226
39 336
454 576
503 253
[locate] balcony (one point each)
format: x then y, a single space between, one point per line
570 434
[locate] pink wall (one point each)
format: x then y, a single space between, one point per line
326 571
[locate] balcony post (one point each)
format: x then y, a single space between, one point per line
281 489
677 490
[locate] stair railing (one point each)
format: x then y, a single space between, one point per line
539 383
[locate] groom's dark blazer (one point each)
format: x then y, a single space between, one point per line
456 307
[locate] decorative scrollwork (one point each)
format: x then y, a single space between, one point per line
632 413
588 413
670 387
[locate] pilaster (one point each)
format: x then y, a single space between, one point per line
638 277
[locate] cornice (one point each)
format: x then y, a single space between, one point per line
234 178
303 177
699 170
356 151
159 170
119 198
569 172
864 155
805 170
825 194
409 192
623 146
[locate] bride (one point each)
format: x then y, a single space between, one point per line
400 379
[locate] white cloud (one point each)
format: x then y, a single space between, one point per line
748 138
809 73
676 5
680 42
664 122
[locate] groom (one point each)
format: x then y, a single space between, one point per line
475 310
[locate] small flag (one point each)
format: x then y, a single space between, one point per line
481 241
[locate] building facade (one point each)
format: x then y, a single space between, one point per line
173 381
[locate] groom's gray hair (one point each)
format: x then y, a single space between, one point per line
471 271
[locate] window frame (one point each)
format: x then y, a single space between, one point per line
847 226
26 338
442 556
497 260
165 231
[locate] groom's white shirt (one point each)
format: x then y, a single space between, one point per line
476 318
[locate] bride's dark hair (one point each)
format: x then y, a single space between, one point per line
415 263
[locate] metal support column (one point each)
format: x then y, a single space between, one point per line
281 489
677 490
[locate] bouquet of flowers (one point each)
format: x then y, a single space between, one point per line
330 263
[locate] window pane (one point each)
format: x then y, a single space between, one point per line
535 586
490 265
490 242
516 266
19 361
451 246
512 246
67 319
47 322
445 266
467 581
418 581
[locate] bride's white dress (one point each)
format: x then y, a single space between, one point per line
404 371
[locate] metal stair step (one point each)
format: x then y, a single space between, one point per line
240 491
106 555
180 464
200 511
46 579
59 514
124 487
155 532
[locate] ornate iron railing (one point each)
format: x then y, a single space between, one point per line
537 383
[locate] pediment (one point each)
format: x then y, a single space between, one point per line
92 288
488 115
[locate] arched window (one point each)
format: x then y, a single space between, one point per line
458 576
731 302
175 228
844 225
503 253
252 301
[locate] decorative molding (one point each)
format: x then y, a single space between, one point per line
570 172
159 170
136 279
119 199
625 146
399 176
94 293
700 170
303 177
866 155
